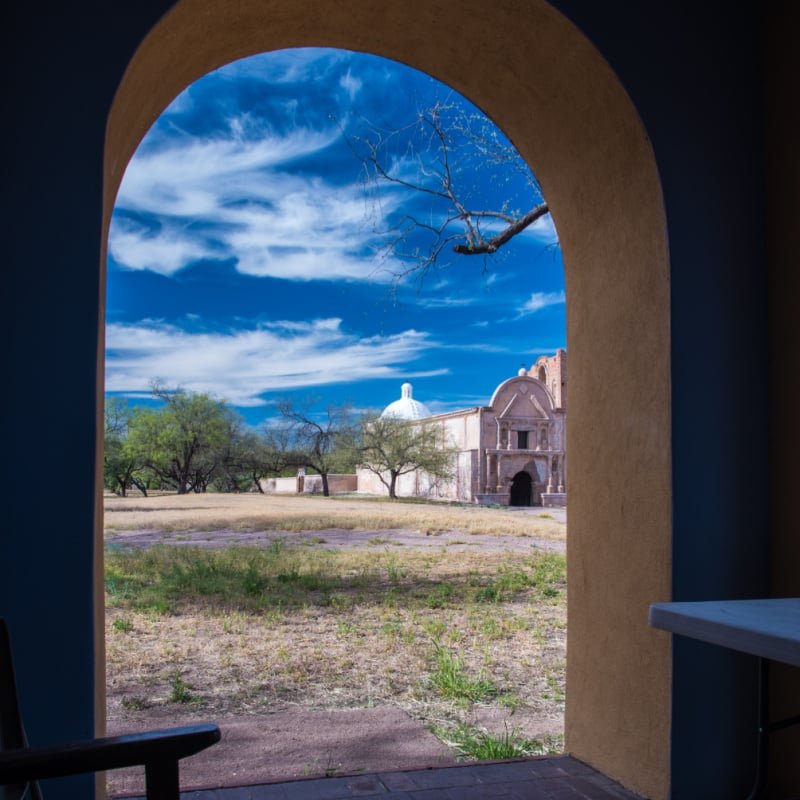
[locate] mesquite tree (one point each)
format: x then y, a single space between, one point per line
391 447
184 442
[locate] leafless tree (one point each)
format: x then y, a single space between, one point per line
452 164
323 441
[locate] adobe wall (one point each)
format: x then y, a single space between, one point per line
337 484
555 375
279 485
416 484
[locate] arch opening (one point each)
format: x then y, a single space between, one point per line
521 489
618 698
520 265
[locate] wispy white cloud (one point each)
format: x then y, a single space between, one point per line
164 251
540 300
544 230
242 365
446 302
197 177
286 66
479 347
351 84
232 199
181 104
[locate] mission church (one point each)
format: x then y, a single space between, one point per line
511 452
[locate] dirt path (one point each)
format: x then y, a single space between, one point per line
289 745
337 539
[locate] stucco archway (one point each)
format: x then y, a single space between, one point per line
547 87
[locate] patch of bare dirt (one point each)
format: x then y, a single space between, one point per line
293 744
337 538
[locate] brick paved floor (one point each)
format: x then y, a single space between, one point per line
554 778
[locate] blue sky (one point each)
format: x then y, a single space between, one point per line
247 258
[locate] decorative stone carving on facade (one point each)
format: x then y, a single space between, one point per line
521 430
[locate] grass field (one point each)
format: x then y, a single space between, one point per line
470 643
211 512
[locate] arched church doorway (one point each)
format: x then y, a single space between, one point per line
521 490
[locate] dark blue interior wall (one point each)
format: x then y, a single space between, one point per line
61 69
694 72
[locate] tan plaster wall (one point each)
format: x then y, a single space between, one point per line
536 75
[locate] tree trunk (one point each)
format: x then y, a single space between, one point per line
393 486
324 476
257 482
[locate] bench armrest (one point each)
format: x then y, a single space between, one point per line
97 755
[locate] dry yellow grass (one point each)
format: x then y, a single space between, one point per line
309 513
372 641
290 623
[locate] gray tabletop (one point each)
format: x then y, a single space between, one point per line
767 628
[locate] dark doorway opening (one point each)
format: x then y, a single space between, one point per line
521 490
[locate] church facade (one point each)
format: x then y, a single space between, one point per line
509 452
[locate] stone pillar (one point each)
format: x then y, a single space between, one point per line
551 464
491 473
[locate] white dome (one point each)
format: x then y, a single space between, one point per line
406 407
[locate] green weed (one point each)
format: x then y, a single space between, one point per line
451 679
505 585
553 679
511 701
475 744
253 582
440 596
434 628
393 569
180 691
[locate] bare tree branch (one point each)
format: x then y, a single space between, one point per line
443 155
495 243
